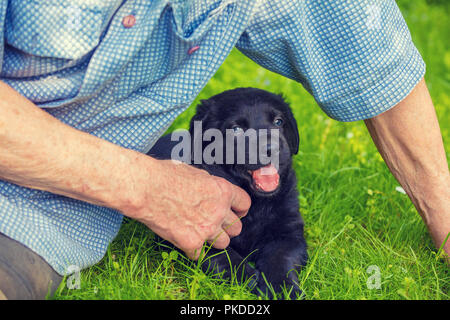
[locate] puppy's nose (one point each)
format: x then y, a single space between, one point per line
271 149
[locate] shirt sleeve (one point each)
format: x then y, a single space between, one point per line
355 57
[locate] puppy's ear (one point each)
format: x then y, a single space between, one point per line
201 113
291 132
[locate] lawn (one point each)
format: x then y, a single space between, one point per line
358 225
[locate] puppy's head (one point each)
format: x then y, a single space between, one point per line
263 135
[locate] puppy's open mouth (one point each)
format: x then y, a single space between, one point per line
265 179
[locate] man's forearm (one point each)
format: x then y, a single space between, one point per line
40 152
409 139
180 203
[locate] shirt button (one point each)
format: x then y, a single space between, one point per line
129 21
193 49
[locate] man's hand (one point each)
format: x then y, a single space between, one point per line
186 205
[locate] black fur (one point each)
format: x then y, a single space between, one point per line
272 234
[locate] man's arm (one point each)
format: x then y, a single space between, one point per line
409 139
182 204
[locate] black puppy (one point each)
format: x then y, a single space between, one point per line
272 231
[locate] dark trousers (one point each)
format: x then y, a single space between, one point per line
24 275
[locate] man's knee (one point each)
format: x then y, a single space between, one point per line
23 273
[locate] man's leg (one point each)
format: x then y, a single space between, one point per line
23 273
409 139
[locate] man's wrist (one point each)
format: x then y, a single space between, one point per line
131 187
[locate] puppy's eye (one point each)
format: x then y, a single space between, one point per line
278 122
237 130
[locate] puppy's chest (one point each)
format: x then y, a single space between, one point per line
257 227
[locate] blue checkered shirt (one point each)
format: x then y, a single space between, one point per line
124 70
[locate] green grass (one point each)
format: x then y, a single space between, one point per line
354 216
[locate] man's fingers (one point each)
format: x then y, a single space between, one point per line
240 201
221 240
194 254
232 225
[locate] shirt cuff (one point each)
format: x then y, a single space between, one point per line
383 95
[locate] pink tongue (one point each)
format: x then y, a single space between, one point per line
266 178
